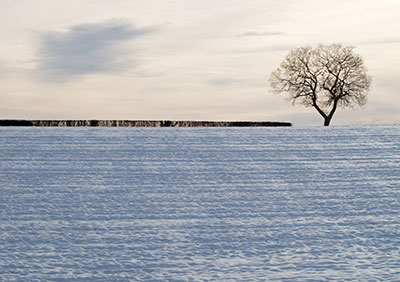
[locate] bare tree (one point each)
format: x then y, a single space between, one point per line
327 78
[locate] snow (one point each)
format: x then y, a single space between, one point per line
200 204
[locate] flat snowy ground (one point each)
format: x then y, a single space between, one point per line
200 204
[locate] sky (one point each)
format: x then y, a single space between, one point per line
185 59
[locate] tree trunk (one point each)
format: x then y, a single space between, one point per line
327 120
327 117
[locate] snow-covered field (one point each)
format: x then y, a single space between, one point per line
200 204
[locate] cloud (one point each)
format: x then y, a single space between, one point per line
87 49
263 49
223 81
255 33
381 41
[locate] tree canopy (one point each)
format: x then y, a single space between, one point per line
326 78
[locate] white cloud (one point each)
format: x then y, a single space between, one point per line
258 33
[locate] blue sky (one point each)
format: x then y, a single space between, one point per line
184 59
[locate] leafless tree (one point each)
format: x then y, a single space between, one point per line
327 78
